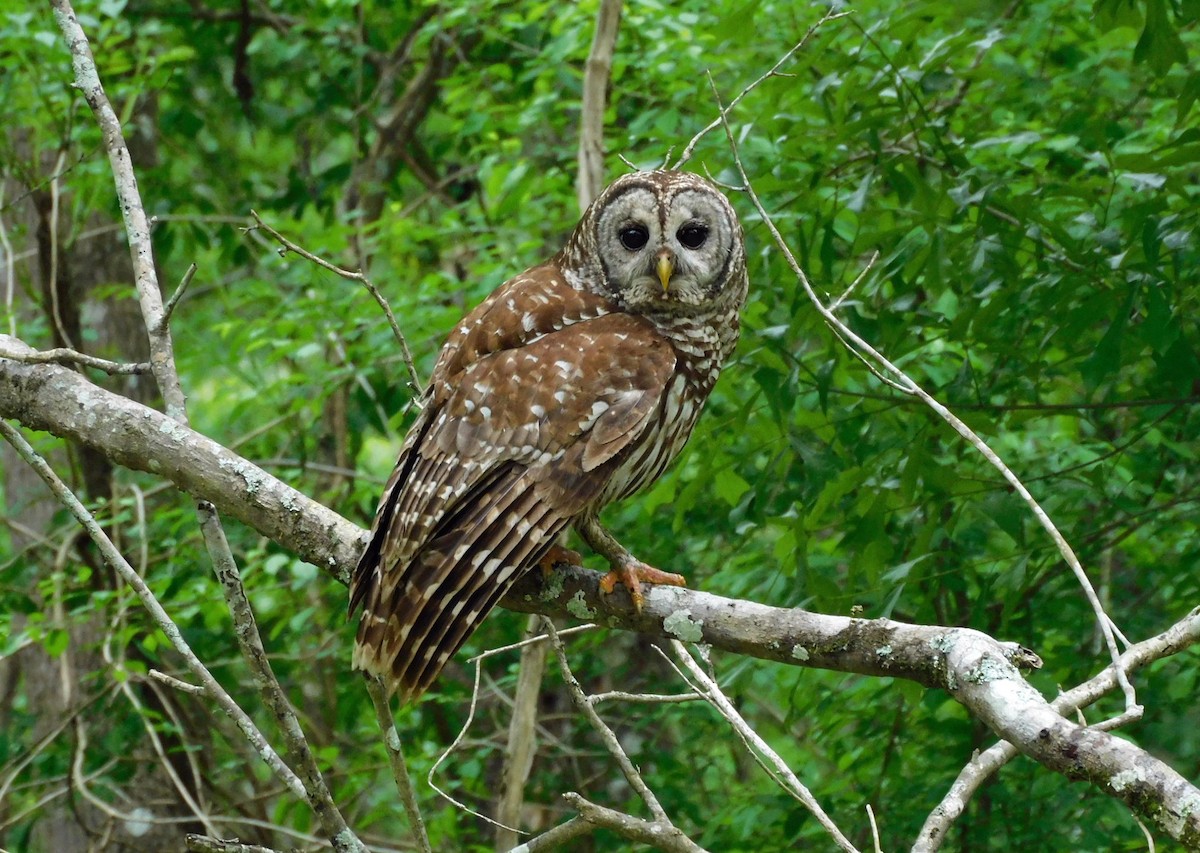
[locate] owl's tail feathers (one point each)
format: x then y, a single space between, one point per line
415 617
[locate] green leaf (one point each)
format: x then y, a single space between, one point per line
1159 45
730 486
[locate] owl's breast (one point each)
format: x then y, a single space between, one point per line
698 364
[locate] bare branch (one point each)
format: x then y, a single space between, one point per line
250 642
162 356
766 757
607 736
205 844
556 838
633 828
64 355
395 753
1183 634
590 179
171 681
772 72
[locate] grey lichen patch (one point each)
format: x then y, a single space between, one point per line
1127 778
578 608
251 475
799 652
176 431
987 671
884 651
552 586
942 643
681 624
392 739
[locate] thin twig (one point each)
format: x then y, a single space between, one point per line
646 698
316 791
773 72
362 279
837 303
766 757
171 681
606 734
65 355
540 638
156 744
876 846
909 386
395 753
169 308
462 734
52 275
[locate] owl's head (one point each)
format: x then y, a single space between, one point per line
660 242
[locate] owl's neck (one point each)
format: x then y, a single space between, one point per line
703 344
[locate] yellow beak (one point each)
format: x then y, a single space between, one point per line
666 266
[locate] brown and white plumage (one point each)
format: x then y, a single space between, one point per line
574 384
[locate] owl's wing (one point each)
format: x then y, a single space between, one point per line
514 442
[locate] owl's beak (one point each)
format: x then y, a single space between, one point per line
665 267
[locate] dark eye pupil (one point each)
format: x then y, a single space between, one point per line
633 237
692 235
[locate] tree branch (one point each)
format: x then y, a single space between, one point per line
590 179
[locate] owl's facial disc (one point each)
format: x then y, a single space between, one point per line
665 251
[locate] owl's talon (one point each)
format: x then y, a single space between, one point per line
631 575
556 556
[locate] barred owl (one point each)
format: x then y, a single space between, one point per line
573 385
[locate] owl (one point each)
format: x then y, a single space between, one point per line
573 385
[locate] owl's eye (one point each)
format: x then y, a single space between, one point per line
692 235
633 237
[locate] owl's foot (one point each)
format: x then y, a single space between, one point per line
627 570
556 556
631 573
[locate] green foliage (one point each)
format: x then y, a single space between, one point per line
1025 176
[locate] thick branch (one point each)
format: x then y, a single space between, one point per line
61 401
